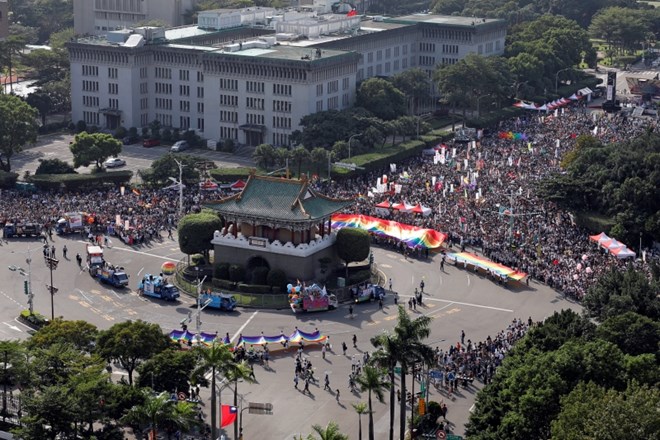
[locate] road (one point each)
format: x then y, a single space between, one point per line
458 300
136 156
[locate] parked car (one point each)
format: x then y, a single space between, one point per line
130 140
179 146
114 162
148 143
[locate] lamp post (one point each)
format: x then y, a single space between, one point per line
557 77
180 165
350 139
52 262
27 282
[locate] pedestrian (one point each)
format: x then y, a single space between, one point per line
306 390
410 304
354 341
462 337
350 310
252 376
52 251
414 303
442 264
380 303
421 285
344 347
396 298
390 284
79 260
337 394
295 381
169 233
327 383
64 251
443 411
323 350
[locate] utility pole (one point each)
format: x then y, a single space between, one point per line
52 263
180 164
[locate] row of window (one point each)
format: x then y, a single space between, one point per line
281 122
91 118
90 101
388 53
450 48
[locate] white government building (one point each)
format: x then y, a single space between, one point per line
250 75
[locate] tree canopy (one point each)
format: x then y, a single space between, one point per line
380 97
18 127
195 232
94 148
352 244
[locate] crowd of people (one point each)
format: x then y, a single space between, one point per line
483 196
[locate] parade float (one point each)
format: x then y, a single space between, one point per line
310 298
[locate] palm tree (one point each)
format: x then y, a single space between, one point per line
371 380
386 357
320 158
159 410
300 155
360 408
214 359
412 332
330 432
264 155
234 372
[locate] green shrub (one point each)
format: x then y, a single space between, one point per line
36 319
253 288
54 166
221 271
75 182
236 273
259 275
8 180
224 284
228 146
197 260
81 126
53 127
276 278
359 277
230 175
121 133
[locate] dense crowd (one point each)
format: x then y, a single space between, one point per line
483 196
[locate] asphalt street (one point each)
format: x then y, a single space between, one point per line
457 300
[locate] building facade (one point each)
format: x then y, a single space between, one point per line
4 19
91 17
234 79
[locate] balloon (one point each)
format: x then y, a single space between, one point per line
575 277
584 257
579 267
297 288
289 287
589 270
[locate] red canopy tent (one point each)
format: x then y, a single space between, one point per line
238 185
384 204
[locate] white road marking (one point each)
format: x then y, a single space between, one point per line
440 309
85 296
13 327
136 252
245 324
141 269
468 279
480 306
113 292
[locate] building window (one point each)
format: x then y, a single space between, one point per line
283 89
370 57
319 106
319 90
228 84
184 90
113 72
90 70
184 106
200 77
184 122
333 103
200 124
113 103
333 86
200 92
184 75
200 107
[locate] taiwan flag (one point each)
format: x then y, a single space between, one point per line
352 13
227 415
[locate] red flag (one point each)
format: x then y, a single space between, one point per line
352 13
227 415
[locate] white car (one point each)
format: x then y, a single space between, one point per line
114 162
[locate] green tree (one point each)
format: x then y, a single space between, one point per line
264 155
130 343
167 371
165 167
81 334
215 359
381 98
352 245
300 155
329 432
195 232
94 148
161 412
54 166
320 158
634 334
415 85
18 127
387 354
371 381
591 411
42 102
360 409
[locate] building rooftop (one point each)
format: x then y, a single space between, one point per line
450 20
271 198
283 52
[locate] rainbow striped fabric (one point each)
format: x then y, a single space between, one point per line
483 263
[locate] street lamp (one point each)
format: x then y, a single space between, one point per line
350 139
27 282
52 262
557 77
180 182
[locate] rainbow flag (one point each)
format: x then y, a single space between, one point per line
483 263
412 236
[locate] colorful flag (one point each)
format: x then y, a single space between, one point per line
505 211
228 415
136 191
352 13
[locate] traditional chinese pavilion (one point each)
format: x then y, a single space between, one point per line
276 223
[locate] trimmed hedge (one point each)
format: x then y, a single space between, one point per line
259 276
224 284
34 320
8 180
276 278
236 273
79 181
254 288
230 175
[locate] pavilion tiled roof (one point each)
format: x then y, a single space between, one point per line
278 199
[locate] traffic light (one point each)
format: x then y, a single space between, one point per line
26 287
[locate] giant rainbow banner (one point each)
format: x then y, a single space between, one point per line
480 262
412 236
208 338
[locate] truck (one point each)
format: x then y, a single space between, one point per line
71 222
157 286
21 230
95 257
312 299
220 301
367 293
109 274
